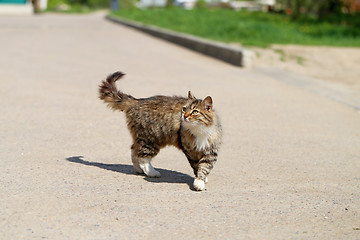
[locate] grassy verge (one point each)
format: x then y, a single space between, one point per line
248 28
72 9
76 6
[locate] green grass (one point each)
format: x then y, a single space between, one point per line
300 60
77 6
281 53
77 9
248 28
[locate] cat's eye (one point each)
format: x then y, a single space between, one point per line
195 112
184 109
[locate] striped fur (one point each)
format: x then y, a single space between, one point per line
155 122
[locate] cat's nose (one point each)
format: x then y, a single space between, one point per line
186 115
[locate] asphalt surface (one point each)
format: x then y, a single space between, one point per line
289 167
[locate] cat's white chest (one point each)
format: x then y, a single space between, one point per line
202 142
202 136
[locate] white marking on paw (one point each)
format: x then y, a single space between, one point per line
199 184
149 170
153 173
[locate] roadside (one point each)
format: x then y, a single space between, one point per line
332 64
302 48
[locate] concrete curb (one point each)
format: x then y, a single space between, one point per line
233 55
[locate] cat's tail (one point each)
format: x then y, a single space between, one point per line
115 99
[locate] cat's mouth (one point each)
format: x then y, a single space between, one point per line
186 119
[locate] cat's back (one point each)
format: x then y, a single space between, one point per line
163 102
159 104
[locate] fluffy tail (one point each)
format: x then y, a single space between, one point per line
115 99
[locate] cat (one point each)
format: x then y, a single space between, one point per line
189 124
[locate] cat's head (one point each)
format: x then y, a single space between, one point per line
198 111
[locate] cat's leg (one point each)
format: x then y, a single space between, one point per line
143 156
145 165
204 167
198 184
194 165
201 178
135 161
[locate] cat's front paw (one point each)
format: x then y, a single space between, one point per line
199 184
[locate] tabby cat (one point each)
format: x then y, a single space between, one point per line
190 124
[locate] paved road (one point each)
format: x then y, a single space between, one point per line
289 166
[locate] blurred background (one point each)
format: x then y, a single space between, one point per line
295 8
320 38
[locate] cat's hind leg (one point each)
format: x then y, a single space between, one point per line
142 161
145 165
135 161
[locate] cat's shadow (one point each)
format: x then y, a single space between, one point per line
167 176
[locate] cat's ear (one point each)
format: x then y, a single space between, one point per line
208 103
191 96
